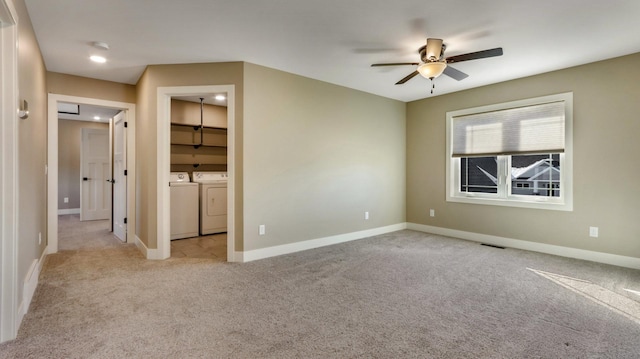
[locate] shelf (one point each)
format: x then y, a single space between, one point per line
189 114
189 167
197 127
196 144
211 150
181 155
209 137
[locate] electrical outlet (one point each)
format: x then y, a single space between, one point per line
432 212
262 230
593 232
66 200
366 215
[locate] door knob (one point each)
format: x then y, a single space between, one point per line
85 178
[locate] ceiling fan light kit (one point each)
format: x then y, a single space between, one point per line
433 63
431 70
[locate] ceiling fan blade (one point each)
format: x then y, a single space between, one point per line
396 64
407 78
455 73
475 55
434 49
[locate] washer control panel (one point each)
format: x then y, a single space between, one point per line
179 177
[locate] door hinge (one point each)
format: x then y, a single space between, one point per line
125 220
125 172
125 123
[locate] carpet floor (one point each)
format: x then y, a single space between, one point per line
401 295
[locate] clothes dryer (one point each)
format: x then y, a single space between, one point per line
213 201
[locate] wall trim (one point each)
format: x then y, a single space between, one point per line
68 211
9 180
148 253
606 258
29 286
268 252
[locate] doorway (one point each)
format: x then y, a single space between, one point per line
165 95
128 113
86 177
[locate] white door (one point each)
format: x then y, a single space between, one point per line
95 194
120 180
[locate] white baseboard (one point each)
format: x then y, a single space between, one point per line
262 253
68 211
29 286
613 259
148 253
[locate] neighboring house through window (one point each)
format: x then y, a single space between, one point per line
512 154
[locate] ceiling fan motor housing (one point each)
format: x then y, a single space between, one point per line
433 51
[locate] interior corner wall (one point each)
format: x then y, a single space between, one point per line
70 139
156 76
32 148
605 151
317 156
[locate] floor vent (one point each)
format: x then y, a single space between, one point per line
491 245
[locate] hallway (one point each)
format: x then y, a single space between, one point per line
74 235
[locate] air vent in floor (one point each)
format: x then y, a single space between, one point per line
491 245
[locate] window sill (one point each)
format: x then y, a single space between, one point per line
518 203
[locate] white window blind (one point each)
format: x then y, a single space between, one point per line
523 130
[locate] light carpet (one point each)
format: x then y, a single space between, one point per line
401 295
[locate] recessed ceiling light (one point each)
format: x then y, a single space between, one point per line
220 97
96 118
98 59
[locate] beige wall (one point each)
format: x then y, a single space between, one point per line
32 150
146 114
69 141
63 84
606 170
316 157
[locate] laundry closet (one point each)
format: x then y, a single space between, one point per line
198 180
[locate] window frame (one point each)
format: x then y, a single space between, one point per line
504 197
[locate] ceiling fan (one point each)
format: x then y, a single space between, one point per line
435 64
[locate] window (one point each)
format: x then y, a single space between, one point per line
512 154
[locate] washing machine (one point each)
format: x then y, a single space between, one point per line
213 201
184 206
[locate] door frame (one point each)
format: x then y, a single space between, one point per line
52 161
163 218
9 318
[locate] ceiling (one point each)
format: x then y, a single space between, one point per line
87 112
335 40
